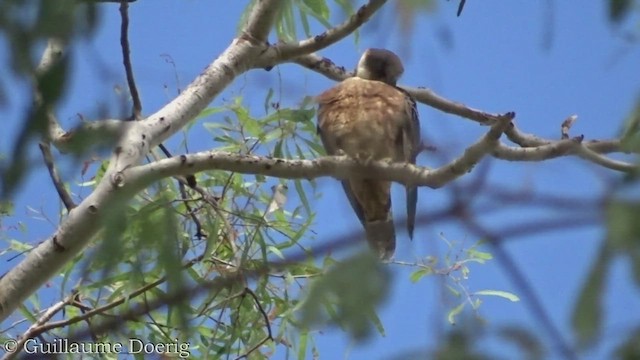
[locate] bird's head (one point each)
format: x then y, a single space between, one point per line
380 65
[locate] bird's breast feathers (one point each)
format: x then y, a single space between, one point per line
363 117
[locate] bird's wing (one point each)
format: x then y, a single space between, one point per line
330 146
411 149
366 119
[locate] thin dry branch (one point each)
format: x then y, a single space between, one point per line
35 329
41 326
269 335
527 292
566 126
45 148
283 52
535 153
126 60
586 153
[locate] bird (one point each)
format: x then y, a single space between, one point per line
367 117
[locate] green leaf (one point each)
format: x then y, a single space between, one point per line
249 124
352 305
277 150
479 255
317 148
285 24
377 323
210 111
630 348
267 101
618 9
453 290
302 345
587 314
295 115
502 294
319 7
6 207
305 23
451 316
245 15
276 251
418 274
525 340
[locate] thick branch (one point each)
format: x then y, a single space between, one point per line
261 20
340 167
84 221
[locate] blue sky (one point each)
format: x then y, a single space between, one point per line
495 61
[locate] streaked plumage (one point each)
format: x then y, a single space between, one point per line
368 118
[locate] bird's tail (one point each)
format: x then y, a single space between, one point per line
381 235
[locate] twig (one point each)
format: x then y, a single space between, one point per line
566 126
230 233
590 155
126 60
42 327
286 51
35 329
535 153
267 324
53 172
460 7
519 280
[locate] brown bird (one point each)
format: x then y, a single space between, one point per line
368 118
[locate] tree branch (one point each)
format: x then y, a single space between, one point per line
34 330
261 20
512 270
584 152
126 60
532 147
84 221
286 51
340 167
55 177
323 66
